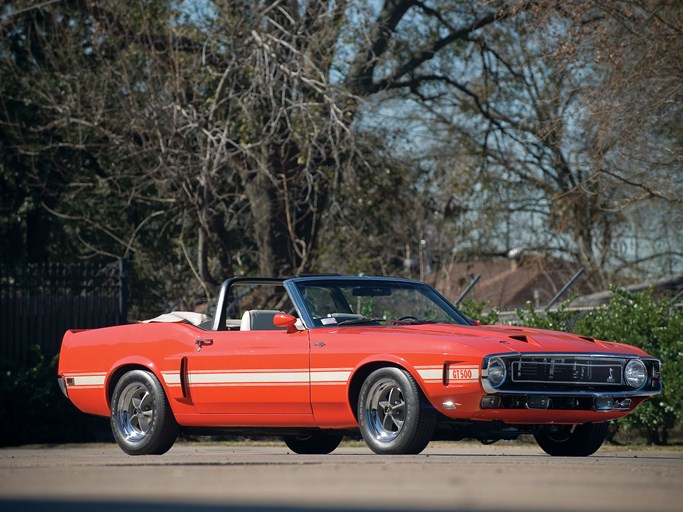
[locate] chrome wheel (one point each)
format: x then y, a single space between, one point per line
393 415
141 418
385 410
135 412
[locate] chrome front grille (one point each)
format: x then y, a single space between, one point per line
568 370
568 374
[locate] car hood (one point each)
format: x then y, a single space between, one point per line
497 339
503 338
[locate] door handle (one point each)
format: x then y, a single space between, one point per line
203 342
320 344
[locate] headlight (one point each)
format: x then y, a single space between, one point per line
635 373
497 371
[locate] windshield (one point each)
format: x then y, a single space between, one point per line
366 301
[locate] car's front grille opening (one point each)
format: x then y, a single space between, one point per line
561 403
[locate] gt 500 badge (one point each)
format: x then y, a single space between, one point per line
462 373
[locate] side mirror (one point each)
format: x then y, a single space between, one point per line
476 322
288 321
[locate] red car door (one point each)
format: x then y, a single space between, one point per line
251 372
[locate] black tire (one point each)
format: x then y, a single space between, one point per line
572 440
319 443
141 418
393 415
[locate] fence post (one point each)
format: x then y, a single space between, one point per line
123 292
564 288
467 290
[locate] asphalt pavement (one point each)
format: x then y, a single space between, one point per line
254 478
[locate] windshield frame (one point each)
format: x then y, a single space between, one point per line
292 287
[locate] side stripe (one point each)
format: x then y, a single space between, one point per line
248 378
171 379
430 374
83 380
294 377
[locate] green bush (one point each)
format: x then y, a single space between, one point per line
646 322
559 319
476 311
34 410
654 326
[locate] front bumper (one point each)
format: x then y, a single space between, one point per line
565 402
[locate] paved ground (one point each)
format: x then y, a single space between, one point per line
255 478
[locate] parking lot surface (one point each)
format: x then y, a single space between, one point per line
256 477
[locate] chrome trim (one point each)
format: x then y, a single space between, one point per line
299 303
617 362
508 355
62 386
485 371
635 359
516 356
552 393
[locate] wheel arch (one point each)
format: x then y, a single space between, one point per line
124 367
367 367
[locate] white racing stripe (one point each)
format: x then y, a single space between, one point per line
430 373
171 379
218 378
82 380
261 377
330 377
295 377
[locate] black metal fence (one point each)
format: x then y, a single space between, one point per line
39 302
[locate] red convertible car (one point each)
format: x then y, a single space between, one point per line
315 357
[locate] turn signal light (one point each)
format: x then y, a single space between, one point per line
603 403
537 402
490 402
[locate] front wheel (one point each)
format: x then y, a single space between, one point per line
319 443
393 415
141 419
572 440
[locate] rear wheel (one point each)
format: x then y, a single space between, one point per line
393 415
572 440
317 443
141 419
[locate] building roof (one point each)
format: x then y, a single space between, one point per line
507 284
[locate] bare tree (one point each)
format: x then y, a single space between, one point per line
526 112
212 142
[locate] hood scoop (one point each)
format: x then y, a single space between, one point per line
520 337
524 339
594 341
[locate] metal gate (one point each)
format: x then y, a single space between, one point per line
39 302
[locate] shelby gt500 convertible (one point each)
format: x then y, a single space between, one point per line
313 358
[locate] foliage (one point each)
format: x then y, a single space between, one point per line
477 311
33 409
560 319
642 320
654 326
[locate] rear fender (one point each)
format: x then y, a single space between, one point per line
127 364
